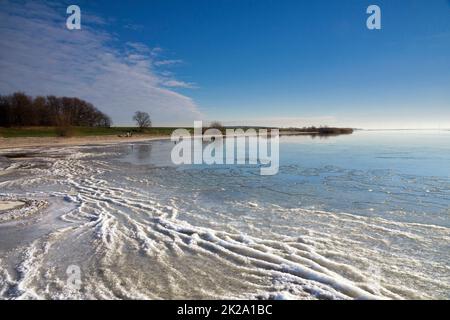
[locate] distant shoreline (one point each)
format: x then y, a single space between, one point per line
28 137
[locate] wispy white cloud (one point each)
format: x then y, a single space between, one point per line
179 84
39 55
168 62
133 26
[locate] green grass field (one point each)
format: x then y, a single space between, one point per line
78 131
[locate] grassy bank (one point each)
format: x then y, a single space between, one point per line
25 132
78 131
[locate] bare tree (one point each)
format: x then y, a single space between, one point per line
216 125
142 119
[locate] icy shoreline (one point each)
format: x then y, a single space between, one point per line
13 208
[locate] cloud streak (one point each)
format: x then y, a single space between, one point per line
40 56
168 62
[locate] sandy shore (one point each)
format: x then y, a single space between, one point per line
9 205
12 143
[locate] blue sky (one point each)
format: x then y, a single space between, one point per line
286 63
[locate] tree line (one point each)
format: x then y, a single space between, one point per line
321 130
19 109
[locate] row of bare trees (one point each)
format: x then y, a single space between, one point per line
19 109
